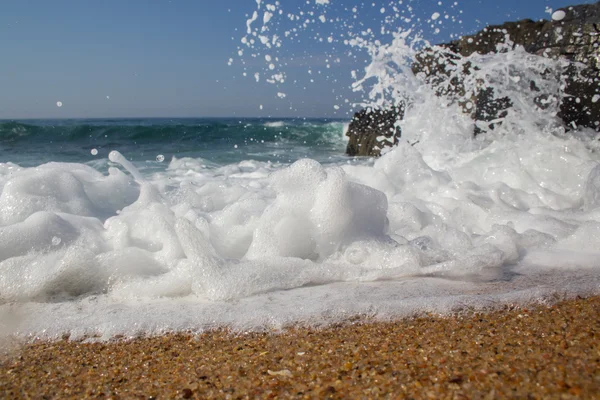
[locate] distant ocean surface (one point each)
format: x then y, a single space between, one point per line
216 140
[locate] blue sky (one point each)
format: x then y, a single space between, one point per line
161 58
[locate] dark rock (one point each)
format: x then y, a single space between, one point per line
488 108
373 129
575 38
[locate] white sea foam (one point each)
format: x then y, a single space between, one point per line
440 222
193 246
275 124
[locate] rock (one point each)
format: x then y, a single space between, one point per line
576 38
373 129
436 67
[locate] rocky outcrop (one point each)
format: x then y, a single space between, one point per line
575 38
373 129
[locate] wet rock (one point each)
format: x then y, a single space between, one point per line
373 129
575 38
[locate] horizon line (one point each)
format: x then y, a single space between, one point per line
141 117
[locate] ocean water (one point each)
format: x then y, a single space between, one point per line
145 226
217 140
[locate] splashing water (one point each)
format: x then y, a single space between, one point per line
451 221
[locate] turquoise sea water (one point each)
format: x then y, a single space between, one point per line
220 141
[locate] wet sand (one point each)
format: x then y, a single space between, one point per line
536 352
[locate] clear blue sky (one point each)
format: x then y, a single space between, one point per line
161 58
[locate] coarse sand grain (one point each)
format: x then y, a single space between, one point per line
534 352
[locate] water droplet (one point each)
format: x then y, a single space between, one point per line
59 104
558 15
160 158
56 241
94 152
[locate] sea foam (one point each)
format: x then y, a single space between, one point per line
252 244
440 222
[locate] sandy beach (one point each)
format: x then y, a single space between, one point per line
536 352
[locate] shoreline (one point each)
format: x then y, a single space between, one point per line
540 351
